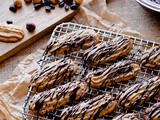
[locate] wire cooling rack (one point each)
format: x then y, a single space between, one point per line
139 46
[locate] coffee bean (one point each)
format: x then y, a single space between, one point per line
74 6
37 6
13 8
9 22
30 27
66 7
48 8
61 4
47 2
52 6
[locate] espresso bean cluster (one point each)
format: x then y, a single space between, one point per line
49 4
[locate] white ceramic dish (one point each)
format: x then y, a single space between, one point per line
150 5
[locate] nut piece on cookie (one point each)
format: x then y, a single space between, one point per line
10 33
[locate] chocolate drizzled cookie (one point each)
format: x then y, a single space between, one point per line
90 109
151 57
128 116
120 71
108 51
140 93
76 40
52 73
55 98
153 113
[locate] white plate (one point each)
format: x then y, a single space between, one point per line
150 4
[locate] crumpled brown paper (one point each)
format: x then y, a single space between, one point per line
13 91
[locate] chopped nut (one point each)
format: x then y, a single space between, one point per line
79 1
54 1
36 1
18 3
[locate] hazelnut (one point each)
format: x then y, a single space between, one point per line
18 3
30 27
79 1
54 1
36 1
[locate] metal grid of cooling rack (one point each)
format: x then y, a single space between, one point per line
139 46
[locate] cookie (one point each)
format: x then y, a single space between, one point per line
10 33
55 98
140 93
53 73
128 116
108 51
76 40
151 58
118 72
90 109
153 113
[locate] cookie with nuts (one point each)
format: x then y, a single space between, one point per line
10 33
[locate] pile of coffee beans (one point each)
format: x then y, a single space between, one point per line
49 4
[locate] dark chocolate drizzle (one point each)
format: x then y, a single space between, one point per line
66 66
146 85
78 112
104 50
74 41
61 93
154 112
113 73
129 116
148 59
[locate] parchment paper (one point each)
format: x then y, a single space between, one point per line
13 91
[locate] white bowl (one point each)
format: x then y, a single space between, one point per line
150 4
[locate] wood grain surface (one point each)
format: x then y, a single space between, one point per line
44 21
